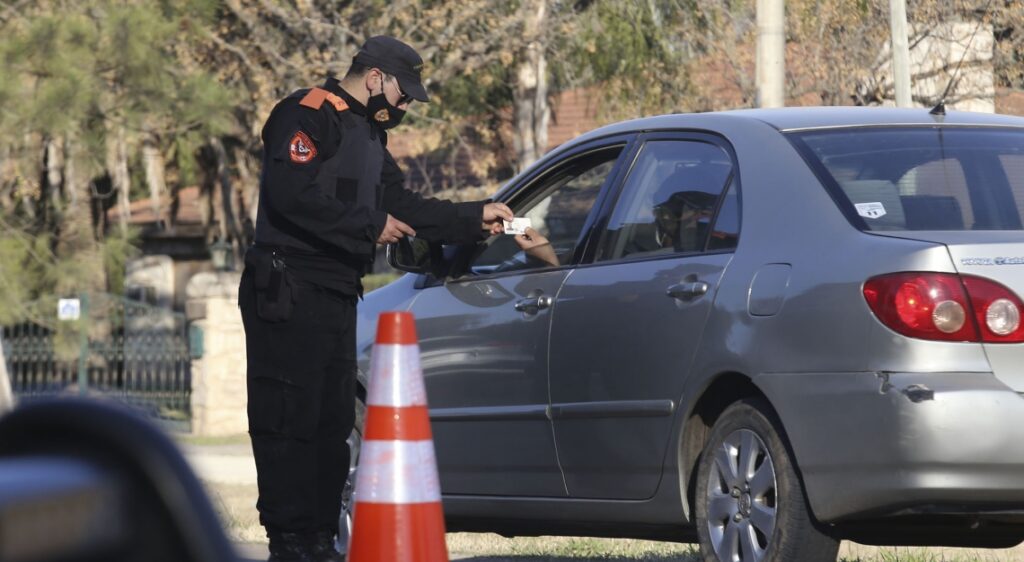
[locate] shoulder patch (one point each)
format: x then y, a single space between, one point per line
301 148
317 96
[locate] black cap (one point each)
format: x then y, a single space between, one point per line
397 59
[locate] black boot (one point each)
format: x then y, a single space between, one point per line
292 547
324 548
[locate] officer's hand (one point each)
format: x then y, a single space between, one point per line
494 213
394 230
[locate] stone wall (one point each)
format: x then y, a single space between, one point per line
218 377
6 396
150 279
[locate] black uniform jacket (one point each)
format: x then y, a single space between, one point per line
327 186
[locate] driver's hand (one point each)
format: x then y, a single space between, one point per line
536 245
530 239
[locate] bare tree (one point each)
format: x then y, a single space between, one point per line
155 172
838 51
120 179
532 110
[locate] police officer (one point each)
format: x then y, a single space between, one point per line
329 192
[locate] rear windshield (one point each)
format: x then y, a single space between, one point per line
934 178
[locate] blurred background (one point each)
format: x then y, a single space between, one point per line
130 148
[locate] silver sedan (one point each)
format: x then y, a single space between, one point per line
764 331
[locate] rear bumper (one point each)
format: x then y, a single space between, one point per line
881 444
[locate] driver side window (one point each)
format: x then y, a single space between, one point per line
557 205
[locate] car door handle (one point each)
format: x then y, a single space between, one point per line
531 305
687 290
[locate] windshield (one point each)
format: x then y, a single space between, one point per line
925 178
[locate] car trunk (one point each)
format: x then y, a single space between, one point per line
995 255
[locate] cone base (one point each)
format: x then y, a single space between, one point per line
398 533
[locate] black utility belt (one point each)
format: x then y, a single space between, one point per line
360 265
276 280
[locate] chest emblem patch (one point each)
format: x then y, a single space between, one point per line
301 149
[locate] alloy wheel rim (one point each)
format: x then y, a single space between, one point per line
741 498
347 505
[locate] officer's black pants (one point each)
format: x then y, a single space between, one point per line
301 385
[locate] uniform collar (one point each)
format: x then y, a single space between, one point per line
334 86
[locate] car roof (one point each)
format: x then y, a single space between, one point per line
804 118
786 119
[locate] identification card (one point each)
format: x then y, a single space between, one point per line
517 225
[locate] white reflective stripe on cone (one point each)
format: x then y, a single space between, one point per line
395 376
397 472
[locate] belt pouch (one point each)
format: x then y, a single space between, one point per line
274 291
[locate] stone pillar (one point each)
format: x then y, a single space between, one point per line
6 396
218 377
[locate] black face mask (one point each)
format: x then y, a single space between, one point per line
381 112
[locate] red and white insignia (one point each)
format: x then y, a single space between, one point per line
301 149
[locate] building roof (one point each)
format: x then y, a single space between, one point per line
186 204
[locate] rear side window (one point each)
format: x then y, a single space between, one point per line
926 178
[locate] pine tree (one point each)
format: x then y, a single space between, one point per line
85 85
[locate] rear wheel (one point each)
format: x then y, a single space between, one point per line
751 505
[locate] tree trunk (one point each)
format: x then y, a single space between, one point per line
50 181
153 163
77 237
8 181
532 111
120 179
249 181
229 231
6 396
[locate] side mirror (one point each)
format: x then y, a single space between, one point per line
412 255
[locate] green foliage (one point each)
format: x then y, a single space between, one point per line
94 65
378 280
184 147
33 278
76 72
203 105
638 52
475 94
619 39
19 274
117 250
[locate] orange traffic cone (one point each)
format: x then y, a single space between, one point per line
398 515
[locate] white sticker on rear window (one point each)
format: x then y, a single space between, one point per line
870 210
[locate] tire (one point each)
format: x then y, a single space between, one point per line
355 441
759 514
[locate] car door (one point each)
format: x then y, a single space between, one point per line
628 324
484 339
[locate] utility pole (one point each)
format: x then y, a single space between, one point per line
771 53
900 51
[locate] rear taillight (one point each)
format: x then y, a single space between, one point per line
931 306
946 306
996 309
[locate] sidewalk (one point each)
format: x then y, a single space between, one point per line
228 472
230 463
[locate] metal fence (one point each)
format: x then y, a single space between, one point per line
121 349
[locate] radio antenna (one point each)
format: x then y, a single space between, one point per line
940 108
